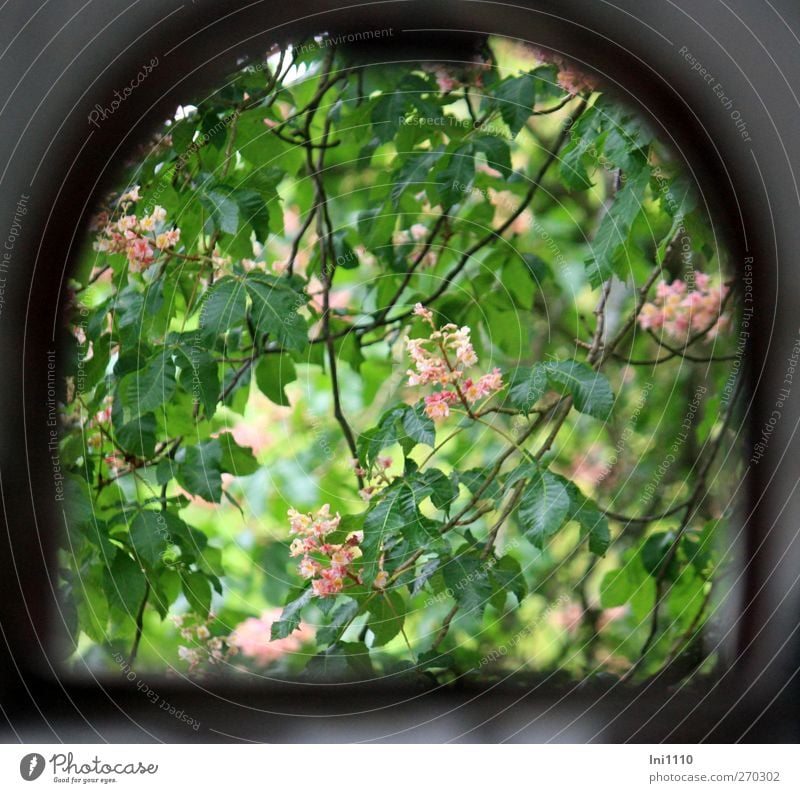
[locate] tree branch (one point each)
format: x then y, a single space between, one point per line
139 625
694 500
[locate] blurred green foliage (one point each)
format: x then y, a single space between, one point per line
318 200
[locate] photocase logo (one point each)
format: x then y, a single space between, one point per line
31 766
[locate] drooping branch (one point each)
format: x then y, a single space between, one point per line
139 620
559 412
644 518
694 501
327 264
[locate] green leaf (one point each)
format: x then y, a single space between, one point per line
455 178
590 390
346 257
339 659
592 521
377 438
253 210
654 552
197 590
699 549
166 590
214 126
678 199
418 427
516 97
273 374
149 388
595 523
330 664
474 480
395 512
579 154
496 151
138 437
81 513
467 578
544 507
389 514
423 576
616 588
615 228
124 584
341 616
528 385
182 134
210 562
235 459
198 470
375 225
92 607
628 584
223 308
387 613
388 114
507 576
627 134
444 489
358 660
200 377
150 536
349 349
96 366
685 597
433 659
415 173
274 312
165 471
537 268
290 617
222 210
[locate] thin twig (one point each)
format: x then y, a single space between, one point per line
644 518
327 265
445 627
555 108
419 256
226 164
139 625
511 504
300 234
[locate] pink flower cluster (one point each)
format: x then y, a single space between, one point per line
201 645
575 81
442 359
416 233
679 310
446 75
253 638
445 79
328 565
102 416
138 238
572 79
376 473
